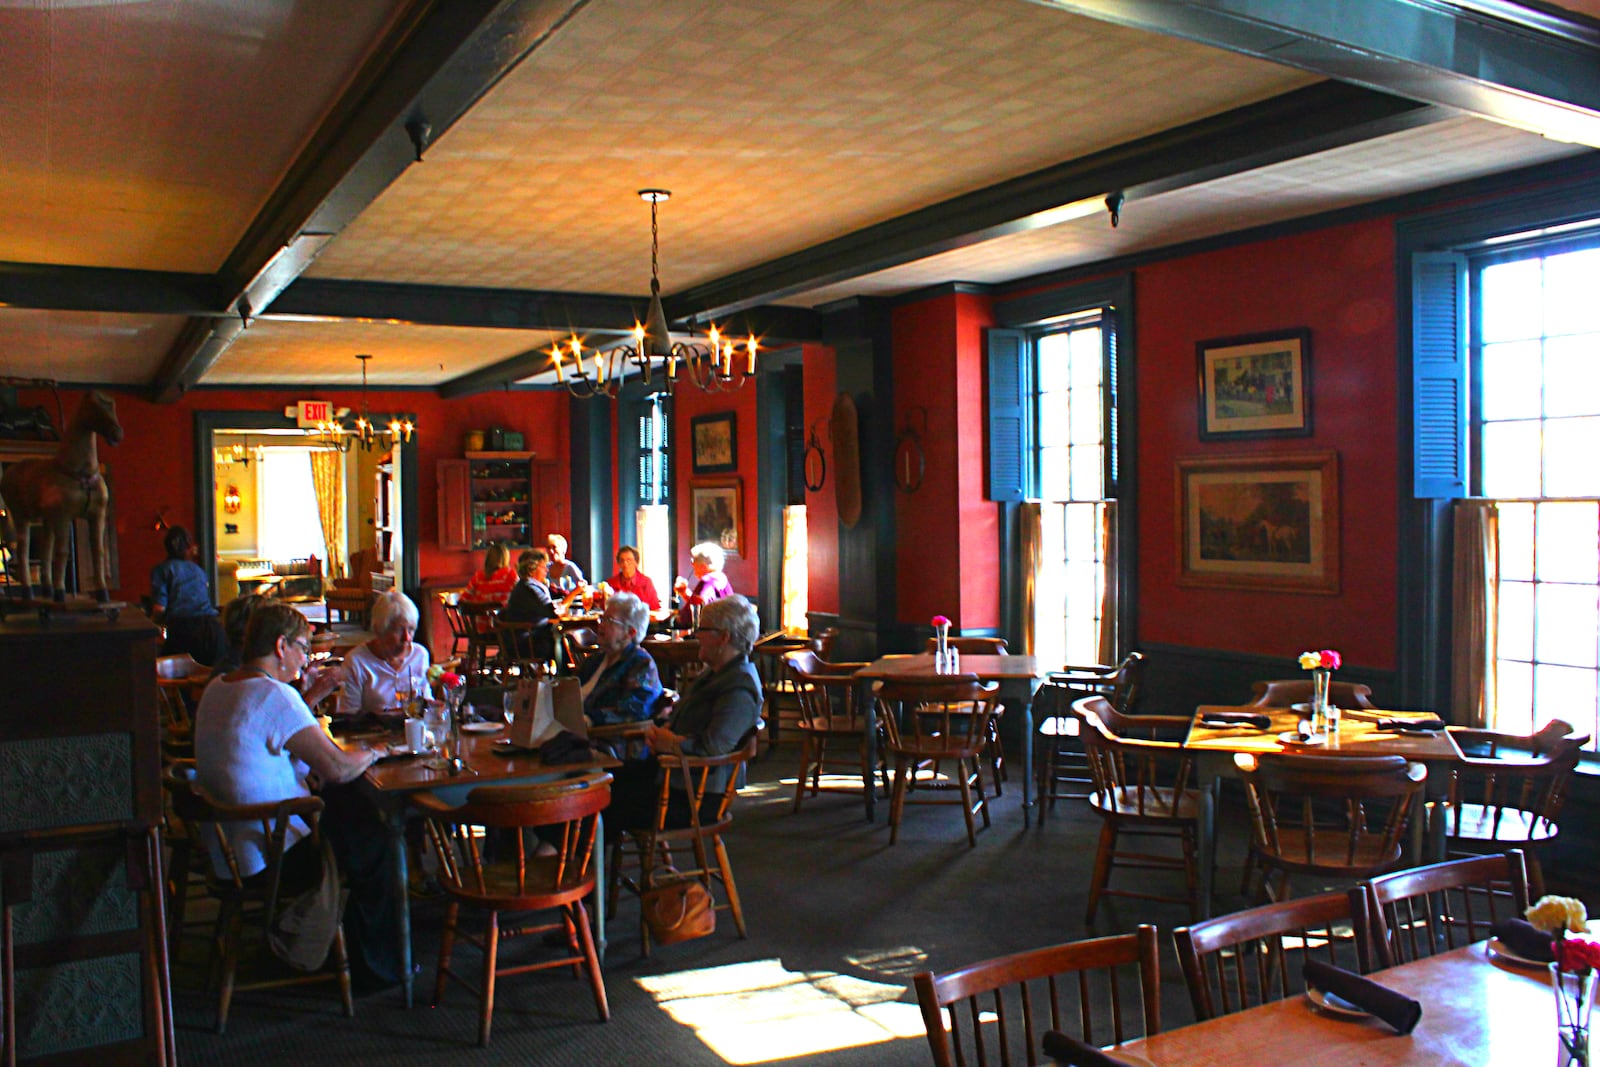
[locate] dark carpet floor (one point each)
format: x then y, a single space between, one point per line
838 922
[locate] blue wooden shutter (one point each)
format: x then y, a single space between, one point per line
1439 375
1010 429
1112 433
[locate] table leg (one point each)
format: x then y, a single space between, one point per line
1208 790
869 773
1027 763
598 908
402 888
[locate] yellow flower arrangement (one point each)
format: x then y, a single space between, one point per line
1555 913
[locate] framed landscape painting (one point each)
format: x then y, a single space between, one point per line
1256 386
712 444
1259 522
717 505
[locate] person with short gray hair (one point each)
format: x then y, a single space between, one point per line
620 682
381 673
735 618
709 582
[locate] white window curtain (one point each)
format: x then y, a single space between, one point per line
796 579
1030 532
1475 588
327 480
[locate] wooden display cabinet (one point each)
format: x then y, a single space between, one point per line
496 496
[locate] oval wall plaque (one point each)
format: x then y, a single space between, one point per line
847 458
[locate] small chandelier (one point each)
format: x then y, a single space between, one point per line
709 364
333 433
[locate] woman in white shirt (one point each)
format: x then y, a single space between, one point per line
256 742
389 664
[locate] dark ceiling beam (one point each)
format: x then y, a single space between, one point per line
50 287
440 305
501 375
431 70
1537 68
1314 119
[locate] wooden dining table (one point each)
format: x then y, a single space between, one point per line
1213 748
1477 1011
395 780
1019 677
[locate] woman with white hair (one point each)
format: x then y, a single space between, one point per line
620 682
391 665
709 582
719 710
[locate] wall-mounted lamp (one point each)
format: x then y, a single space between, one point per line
230 500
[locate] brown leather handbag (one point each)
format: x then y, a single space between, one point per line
676 907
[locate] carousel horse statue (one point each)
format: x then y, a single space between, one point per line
54 492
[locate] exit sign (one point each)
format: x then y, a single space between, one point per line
310 413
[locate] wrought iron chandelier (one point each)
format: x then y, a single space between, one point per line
717 364
334 434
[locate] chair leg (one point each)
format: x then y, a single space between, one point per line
578 916
734 907
805 765
341 963
231 923
491 950
983 800
447 945
897 799
1535 875
614 874
821 765
1102 867
965 782
1191 872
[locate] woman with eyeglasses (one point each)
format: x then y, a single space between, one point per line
256 742
620 682
389 669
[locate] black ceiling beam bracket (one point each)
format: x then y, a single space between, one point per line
439 61
1313 119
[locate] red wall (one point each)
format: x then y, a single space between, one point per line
153 469
1339 283
687 402
822 509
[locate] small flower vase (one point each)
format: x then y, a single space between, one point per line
941 649
1574 1002
1320 678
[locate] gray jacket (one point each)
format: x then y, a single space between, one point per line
721 707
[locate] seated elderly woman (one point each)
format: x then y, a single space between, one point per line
709 582
720 708
530 602
256 742
620 681
378 674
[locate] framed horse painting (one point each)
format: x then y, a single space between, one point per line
1259 522
1255 386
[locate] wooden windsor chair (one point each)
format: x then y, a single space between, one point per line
826 693
1418 912
928 723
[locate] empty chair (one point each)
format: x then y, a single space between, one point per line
1254 956
1060 765
1287 692
577 642
179 681
826 693
520 881
973 646
935 722
994 749
1333 816
478 619
1513 796
710 816
996 1011
677 661
1418 912
1142 789
460 635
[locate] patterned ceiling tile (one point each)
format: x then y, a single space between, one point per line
1412 160
148 135
323 353
776 125
84 346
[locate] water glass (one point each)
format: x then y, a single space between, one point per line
436 725
1331 716
508 704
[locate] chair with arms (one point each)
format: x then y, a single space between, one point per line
478 619
520 882
985 646
826 693
1331 816
1253 957
779 705
997 1011
824 643
1513 794
1143 789
577 641
710 816
677 661
1287 692
972 646
254 901
353 595
1059 763
460 635
930 722
1425 910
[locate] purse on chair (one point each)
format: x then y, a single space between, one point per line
677 907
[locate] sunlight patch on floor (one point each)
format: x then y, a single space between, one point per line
759 1011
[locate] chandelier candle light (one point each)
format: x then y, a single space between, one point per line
709 364
1324 716
1572 975
334 434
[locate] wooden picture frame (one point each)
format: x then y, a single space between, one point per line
716 510
1259 522
713 444
1255 386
